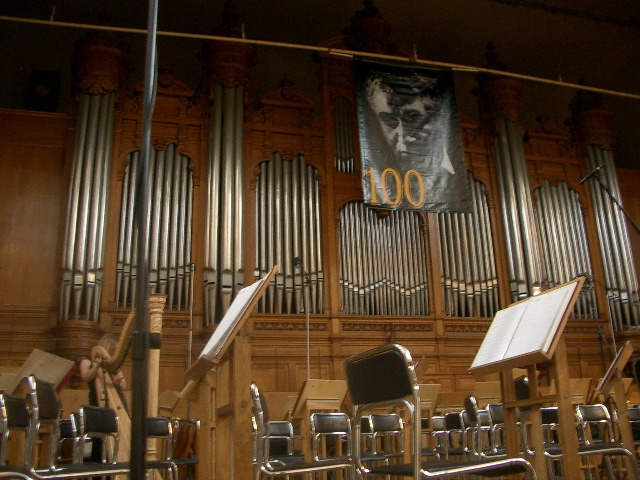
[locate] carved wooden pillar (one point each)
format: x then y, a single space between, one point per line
100 69
156 309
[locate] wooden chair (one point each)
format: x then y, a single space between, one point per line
385 377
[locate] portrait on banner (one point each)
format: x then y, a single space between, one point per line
410 139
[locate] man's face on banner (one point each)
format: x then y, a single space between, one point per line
408 118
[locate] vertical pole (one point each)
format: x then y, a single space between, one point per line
140 340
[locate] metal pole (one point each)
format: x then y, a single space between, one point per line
140 340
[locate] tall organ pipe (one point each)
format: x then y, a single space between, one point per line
170 203
287 228
83 255
224 242
620 275
525 267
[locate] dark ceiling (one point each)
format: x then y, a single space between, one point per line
591 42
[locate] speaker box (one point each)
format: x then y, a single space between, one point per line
43 90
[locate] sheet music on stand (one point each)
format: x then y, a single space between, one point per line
229 326
527 331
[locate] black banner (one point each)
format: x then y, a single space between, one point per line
410 139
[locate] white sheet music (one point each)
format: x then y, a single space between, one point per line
525 327
231 317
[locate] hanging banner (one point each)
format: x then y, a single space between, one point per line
410 139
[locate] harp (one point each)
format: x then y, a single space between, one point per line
108 394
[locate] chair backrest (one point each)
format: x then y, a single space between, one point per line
280 438
383 374
19 416
595 423
102 423
496 413
388 431
161 428
326 426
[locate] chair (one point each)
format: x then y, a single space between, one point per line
496 422
17 416
477 424
280 440
67 451
385 377
330 435
48 410
184 445
454 444
588 416
264 467
387 435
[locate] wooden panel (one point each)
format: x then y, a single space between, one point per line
32 195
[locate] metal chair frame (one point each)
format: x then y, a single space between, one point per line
265 467
385 377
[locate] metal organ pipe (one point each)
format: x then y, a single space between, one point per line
83 257
288 234
170 203
468 266
224 242
382 268
227 197
620 276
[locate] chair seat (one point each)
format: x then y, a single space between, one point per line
287 459
304 466
607 448
517 465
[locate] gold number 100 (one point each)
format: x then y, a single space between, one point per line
403 187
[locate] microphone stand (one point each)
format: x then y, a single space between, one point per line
588 285
596 175
610 194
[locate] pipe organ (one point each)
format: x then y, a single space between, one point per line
96 86
84 236
343 137
170 201
470 279
382 260
224 263
521 235
564 241
287 226
620 274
